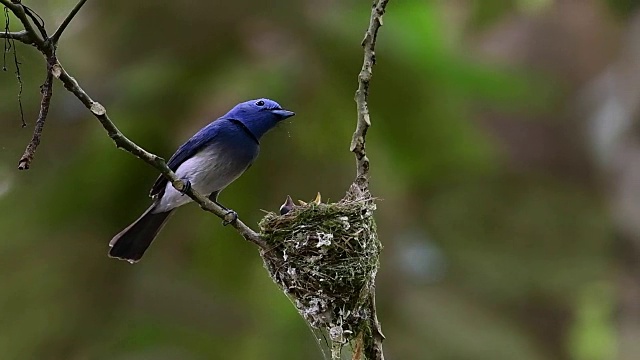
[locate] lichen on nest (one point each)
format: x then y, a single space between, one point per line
325 257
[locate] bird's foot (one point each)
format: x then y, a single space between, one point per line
186 185
230 217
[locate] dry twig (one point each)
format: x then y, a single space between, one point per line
362 94
47 91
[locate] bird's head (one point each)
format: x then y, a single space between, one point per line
259 115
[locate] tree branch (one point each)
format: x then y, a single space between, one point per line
362 94
373 349
30 37
21 36
47 91
56 36
37 20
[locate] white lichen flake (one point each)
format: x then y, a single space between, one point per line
336 333
313 308
324 239
345 222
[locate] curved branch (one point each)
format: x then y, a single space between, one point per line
37 21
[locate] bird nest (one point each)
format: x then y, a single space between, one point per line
325 258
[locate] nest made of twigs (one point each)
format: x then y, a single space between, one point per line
325 258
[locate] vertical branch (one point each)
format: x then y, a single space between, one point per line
362 94
373 347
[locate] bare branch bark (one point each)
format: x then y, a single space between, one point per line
47 92
30 37
362 94
21 36
56 36
373 349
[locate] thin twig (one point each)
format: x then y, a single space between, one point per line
10 44
37 20
56 36
16 63
47 91
362 94
21 36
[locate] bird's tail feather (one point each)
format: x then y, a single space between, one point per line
131 243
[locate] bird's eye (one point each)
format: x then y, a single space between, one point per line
260 103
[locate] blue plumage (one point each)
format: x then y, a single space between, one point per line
209 161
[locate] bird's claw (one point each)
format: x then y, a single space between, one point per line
186 185
230 217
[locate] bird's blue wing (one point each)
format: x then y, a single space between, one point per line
203 137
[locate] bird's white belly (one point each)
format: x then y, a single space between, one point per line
207 171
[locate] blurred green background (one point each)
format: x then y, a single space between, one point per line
505 149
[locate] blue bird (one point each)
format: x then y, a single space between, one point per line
208 162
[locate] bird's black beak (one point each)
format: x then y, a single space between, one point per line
283 114
287 206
